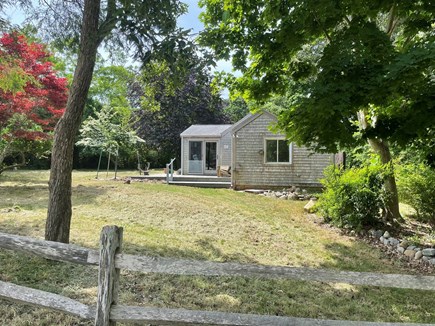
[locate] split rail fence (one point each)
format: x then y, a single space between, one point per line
110 260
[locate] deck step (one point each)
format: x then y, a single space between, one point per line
186 178
201 184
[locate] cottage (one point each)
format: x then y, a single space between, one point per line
258 157
263 159
204 148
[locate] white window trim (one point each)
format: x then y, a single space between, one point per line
290 149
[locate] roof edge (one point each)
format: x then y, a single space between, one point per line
249 118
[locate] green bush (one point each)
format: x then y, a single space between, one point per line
416 186
353 197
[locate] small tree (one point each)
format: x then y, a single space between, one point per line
32 98
105 134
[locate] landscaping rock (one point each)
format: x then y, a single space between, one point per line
293 196
401 250
386 234
411 248
432 261
425 258
379 233
409 253
393 241
430 252
404 244
309 207
284 197
386 242
418 255
381 239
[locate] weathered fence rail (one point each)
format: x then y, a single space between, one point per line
110 260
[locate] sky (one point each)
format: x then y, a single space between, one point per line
191 21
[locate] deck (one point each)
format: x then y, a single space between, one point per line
200 181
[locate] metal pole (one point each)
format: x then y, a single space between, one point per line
116 163
108 165
99 162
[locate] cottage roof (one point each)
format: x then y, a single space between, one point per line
205 130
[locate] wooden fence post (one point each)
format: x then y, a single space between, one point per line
108 275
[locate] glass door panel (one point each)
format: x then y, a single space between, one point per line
195 157
210 157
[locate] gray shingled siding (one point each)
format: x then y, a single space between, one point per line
185 155
225 154
251 171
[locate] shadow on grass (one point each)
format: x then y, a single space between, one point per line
25 176
10 225
357 256
232 294
207 250
35 197
278 297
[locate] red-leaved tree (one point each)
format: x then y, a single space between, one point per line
32 98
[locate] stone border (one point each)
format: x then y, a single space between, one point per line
403 247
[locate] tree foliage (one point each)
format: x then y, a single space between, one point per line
167 108
33 101
334 59
236 109
109 89
104 132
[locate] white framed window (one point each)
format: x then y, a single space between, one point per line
277 150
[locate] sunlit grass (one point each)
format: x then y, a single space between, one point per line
204 224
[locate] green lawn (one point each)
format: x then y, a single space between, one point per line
204 224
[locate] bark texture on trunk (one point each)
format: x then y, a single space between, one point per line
392 213
382 148
58 222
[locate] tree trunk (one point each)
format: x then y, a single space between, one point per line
58 222
392 213
381 147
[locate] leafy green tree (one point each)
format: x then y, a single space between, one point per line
354 71
109 87
170 104
236 109
143 26
105 133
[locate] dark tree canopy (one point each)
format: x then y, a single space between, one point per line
168 108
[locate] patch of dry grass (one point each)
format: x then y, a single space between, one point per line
204 224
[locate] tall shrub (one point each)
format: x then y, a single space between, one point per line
353 197
416 184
